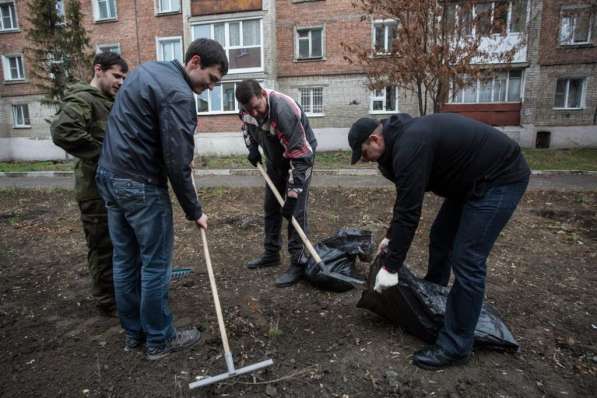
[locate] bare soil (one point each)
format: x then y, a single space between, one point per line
541 278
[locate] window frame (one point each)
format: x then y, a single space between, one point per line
373 97
297 56
565 9
168 12
210 112
386 24
227 47
509 20
99 47
7 69
96 11
15 22
583 93
159 40
478 82
26 118
311 89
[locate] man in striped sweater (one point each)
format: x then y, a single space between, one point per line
277 123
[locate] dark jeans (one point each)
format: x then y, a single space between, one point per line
140 223
99 249
273 215
461 239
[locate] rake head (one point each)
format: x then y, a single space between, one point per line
180 273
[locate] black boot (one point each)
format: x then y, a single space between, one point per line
269 259
294 274
434 357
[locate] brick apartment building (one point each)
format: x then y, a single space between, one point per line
547 96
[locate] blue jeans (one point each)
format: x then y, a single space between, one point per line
461 239
140 225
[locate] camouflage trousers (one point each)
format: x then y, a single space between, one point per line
99 255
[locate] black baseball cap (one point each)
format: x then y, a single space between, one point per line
359 132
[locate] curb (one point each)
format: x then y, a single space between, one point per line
252 172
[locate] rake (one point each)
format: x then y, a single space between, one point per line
180 273
232 371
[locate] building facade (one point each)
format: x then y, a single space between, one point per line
547 96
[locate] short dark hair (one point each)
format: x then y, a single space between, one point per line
210 52
108 59
246 90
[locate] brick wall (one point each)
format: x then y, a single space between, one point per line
341 22
551 52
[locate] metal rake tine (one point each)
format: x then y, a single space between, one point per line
180 273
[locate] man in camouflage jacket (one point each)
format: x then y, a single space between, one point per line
79 128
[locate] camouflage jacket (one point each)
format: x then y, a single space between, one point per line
78 128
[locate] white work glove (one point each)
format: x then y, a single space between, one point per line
385 279
382 246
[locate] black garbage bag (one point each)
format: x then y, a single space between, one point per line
339 254
418 307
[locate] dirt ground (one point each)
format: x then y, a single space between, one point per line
541 278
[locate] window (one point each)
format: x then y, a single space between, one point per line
494 17
311 100
219 100
164 6
241 40
169 48
384 100
384 32
309 43
104 9
575 26
8 16
13 67
103 48
20 116
489 87
569 93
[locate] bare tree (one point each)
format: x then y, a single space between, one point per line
435 43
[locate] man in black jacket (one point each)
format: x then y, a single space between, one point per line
277 123
482 175
149 140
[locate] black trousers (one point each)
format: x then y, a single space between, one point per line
273 216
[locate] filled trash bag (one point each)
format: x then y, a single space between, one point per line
418 307
339 254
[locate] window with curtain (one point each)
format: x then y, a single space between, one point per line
569 93
311 100
500 86
169 48
309 43
20 116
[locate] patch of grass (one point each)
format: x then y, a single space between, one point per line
539 159
274 329
50 165
562 159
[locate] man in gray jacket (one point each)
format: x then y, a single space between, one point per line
277 123
149 140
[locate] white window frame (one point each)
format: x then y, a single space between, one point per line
209 100
158 11
96 13
16 18
311 89
227 47
373 97
18 112
158 48
6 68
387 48
102 46
296 42
574 22
508 26
583 93
478 91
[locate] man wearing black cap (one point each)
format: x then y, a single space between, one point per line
482 175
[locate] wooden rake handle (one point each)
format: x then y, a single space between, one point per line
295 223
214 291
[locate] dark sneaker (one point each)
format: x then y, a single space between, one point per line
132 344
434 358
266 260
291 276
184 338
